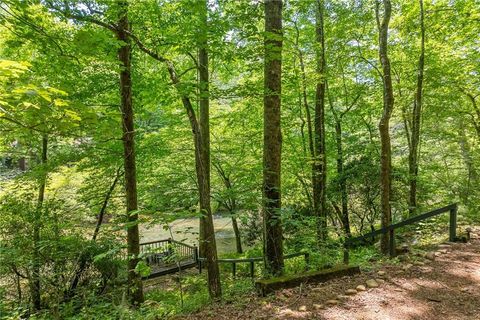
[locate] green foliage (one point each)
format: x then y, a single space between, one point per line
59 78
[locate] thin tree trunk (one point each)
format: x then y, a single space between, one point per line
231 205
238 236
384 124
320 161
308 122
342 178
35 285
416 120
135 285
207 236
272 138
83 259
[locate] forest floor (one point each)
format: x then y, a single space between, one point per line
418 288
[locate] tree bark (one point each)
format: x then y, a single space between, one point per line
35 286
208 245
272 138
320 163
416 120
384 124
135 286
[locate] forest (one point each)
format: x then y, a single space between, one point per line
167 158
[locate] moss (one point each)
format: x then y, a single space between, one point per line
268 285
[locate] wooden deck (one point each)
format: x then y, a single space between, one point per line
164 269
168 256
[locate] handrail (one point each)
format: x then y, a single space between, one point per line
154 241
183 244
240 260
452 208
252 261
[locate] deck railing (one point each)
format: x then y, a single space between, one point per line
452 209
252 261
168 251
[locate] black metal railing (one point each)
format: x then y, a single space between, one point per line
252 261
452 209
168 251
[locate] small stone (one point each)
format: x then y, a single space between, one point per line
380 281
430 256
351 292
398 290
464 290
444 251
361 287
342 297
444 246
332 302
381 273
419 263
407 267
438 253
318 306
371 283
302 308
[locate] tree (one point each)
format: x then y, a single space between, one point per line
416 119
320 160
135 287
272 137
384 124
208 247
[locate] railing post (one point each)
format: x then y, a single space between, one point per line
252 270
307 260
234 269
392 242
195 253
453 223
346 254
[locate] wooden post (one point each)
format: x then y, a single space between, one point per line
392 243
307 260
234 269
453 223
346 255
252 269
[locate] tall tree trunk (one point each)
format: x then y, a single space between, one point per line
35 284
135 286
416 119
320 161
208 245
272 137
384 124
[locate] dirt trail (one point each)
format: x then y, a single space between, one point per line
444 289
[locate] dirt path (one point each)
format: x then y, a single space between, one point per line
444 289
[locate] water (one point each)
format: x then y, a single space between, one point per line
186 230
